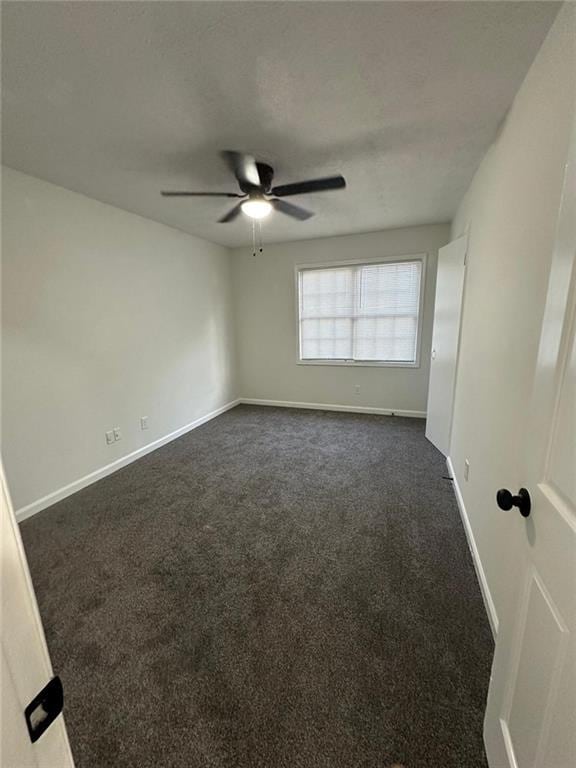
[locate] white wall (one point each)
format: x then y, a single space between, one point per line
106 317
267 330
511 207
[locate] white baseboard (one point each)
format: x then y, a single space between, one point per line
68 490
484 589
98 474
332 407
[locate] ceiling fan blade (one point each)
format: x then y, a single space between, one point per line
314 185
243 167
231 215
168 193
291 210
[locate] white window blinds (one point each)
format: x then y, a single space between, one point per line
366 312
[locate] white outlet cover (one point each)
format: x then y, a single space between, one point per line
144 422
117 433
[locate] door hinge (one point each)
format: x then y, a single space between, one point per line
44 708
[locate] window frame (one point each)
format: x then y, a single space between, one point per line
298 268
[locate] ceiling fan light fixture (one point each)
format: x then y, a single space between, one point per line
256 208
257 197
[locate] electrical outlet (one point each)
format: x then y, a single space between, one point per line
143 422
466 469
117 433
109 437
356 389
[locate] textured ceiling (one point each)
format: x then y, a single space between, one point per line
118 100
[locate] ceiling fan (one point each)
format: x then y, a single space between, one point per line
258 196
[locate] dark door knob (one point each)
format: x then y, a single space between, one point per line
506 501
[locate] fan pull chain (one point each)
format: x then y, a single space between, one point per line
260 249
253 237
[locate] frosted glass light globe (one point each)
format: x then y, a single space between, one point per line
256 209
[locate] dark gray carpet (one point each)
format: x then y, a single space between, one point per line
278 588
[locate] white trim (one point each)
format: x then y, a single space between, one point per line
421 257
98 474
465 236
335 407
61 493
484 588
360 363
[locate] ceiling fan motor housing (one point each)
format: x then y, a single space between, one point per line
266 173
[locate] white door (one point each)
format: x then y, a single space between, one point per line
26 667
445 338
531 713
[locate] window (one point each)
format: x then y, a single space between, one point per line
360 313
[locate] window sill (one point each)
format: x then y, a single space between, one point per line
360 363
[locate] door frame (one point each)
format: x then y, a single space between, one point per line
466 237
25 653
